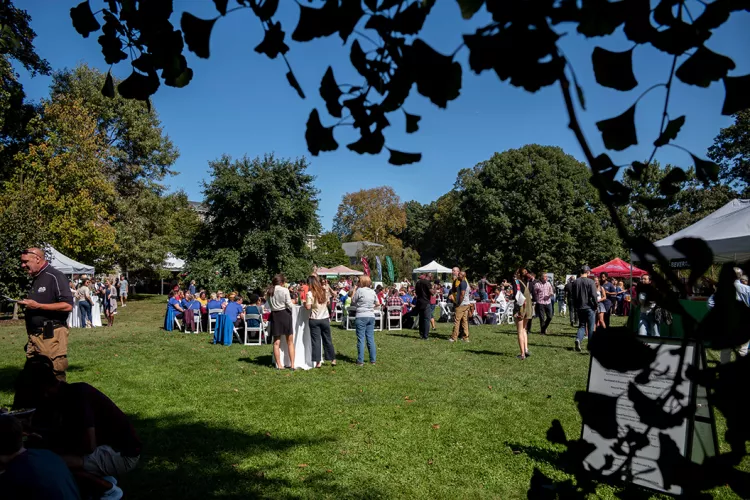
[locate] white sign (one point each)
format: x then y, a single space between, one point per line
613 383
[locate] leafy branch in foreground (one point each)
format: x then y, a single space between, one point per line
521 45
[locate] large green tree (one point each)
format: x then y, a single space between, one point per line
375 214
262 209
328 251
731 150
534 207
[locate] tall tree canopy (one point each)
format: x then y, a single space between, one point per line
328 251
261 211
375 215
731 150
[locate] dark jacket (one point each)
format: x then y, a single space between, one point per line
423 291
584 294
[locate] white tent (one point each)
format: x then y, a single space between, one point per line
432 267
727 232
172 263
65 264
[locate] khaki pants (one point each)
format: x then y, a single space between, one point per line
460 319
56 349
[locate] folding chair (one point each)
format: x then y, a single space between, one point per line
394 313
212 320
507 315
197 320
237 333
260 329
493 315
338 312
351 314
177 322
378 321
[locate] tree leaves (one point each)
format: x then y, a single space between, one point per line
108 90
138 86
671 184
737 97
614 69
704 67
556 433
197 33
470 7
221 6
599 412
294 83
670 132
619 133
438 77
350 12
316 23
273 41
110 41
706 171
369 142
400 158
620 350
412 123
330 92
83 19
318 137
266 11
601 17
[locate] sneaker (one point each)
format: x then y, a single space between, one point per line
451 340
520 357
465 339
578 345
360 364
114 493
528 354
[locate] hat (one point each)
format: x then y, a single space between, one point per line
585 269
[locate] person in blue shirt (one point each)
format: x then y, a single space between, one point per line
191 289
213 304
174 303
235 312
254 308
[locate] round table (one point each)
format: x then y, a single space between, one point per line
302 342
74 317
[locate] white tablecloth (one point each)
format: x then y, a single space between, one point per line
74 317
302 344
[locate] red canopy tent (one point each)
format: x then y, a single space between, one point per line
618 268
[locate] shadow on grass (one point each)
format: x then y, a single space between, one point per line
488 353
265 360
537 453
187 459
8 376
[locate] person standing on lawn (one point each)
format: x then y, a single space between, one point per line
609 294
461 300
482 286
522 310
316 302
47 306
423 291
280 302
572 313
123 291
585 303
364 302
110 295
543 293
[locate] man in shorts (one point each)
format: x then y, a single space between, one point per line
123 291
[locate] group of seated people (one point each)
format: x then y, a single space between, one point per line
183 303
77 441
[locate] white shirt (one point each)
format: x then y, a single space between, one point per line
280 299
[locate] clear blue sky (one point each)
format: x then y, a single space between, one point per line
240 103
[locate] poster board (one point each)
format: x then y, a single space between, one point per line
696 437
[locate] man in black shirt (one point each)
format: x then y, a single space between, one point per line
572 313
47 306
423 292
584 301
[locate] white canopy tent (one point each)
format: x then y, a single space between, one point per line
432 267
65 264
726 231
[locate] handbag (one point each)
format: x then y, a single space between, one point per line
520 298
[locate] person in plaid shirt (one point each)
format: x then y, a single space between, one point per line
394 300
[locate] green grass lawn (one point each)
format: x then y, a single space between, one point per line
431 420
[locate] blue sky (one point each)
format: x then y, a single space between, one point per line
240 103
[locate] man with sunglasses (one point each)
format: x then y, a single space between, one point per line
47 306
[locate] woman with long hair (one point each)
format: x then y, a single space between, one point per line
281 319
522 312
111 298
601 308
365 301
316 301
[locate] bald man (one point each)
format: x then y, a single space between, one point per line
47 306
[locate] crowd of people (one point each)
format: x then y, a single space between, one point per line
105 291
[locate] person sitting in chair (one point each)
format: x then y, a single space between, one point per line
174 303
235 312
254 307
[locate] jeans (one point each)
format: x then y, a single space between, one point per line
84 310
321 328
647 324
424 322
483 296
586 318
365 332
545 313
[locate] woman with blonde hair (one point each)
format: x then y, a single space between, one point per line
364 301
281 305
316 301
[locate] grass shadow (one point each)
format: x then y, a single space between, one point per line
8 376
485 352
537 453
266 360
190 459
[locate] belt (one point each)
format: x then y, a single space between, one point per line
40 330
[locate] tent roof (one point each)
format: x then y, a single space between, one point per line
433 267
618 268
726 231
65 264
352 248
339 271
172 263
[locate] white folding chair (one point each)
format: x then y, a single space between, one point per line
379 321
237 333
447 309
260 329
494 313
351 314
507 315
338 312
394 314
177 322
197 320
212 319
